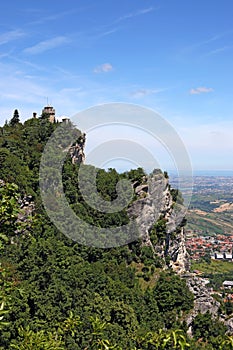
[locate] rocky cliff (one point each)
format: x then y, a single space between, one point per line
203 300
155 202
76 151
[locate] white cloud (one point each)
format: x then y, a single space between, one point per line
47 45
103 68
10 36
200 90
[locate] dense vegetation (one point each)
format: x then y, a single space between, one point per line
57 294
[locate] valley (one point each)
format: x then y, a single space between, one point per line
211 210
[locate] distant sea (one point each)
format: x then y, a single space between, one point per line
220 173
213 172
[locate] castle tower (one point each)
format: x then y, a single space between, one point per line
49 112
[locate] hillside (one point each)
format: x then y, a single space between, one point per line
60 293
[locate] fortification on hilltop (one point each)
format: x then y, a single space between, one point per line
49 113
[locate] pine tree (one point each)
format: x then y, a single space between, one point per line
15 119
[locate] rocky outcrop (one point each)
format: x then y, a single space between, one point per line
229 323
77 151
178 253
141 189
27 208
147 209
26 205
154 202
203 300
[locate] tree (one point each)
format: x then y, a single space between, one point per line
4 297
172 294
15 119
9 210
174 339
205 328
30 340
229 307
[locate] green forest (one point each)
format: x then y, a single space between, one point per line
58 294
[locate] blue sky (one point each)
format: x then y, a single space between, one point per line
173 56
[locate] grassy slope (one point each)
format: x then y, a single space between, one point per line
214 267
211 222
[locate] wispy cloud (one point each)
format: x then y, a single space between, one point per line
200 90
140 93
30 91
115 26
11 36
198 45
46 45
202 43
219 50
135 14
26 63
53 17
103 68
107 32
208 44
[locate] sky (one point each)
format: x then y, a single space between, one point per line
175 57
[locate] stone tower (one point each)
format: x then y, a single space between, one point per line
50 112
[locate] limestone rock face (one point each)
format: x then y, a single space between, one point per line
155 201
178 253
77 151
229 323
203 300
148 209
141 189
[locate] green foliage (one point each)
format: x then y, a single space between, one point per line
228 307
219 268
174 339
5 290
55 293
177 196
9 210
216 271
30 340
158 231
15 119
147 256
172 294
135 175
207 329
20 151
